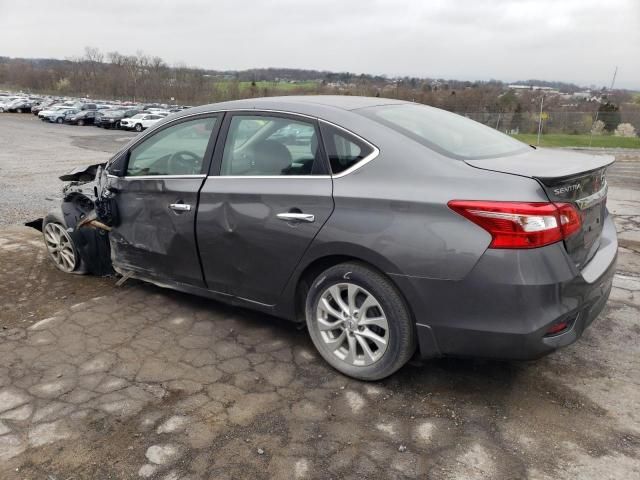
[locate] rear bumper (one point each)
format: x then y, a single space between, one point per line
505 306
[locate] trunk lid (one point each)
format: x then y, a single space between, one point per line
567 177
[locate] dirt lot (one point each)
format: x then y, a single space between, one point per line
100 382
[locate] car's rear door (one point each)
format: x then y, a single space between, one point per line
267 196
157 201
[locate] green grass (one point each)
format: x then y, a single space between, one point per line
308 85
566 140
275 86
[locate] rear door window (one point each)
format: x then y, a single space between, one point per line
260 145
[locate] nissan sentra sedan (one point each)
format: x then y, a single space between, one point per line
387 227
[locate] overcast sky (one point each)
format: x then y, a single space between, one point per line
577 41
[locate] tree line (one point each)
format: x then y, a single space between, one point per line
147 78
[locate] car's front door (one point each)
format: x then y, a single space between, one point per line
157 201
267 196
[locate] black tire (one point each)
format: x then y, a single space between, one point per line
59 120
19 110
138 127
401 343
80 123
57 218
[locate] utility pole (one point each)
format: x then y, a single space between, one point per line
540 119
613 80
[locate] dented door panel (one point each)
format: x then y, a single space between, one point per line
246 250
151 238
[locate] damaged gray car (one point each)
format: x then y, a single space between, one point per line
385 226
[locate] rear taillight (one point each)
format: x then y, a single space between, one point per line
521 224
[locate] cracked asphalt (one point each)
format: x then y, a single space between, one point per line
100 382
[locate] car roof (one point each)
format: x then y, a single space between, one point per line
337 109
307 104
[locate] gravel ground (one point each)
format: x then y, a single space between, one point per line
33 154
101 382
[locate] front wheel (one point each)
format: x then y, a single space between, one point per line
138 127
19 110
80 123
60 247
359 322
59 120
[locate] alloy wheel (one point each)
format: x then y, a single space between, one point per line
60 247
352 325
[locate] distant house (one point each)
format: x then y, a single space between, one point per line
529 87
586 95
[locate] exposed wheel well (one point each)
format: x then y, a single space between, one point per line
313 270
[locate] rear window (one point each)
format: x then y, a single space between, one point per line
445 132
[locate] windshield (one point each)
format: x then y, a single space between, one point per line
445 132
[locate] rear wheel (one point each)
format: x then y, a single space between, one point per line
60 247
359 322
19 110
59 120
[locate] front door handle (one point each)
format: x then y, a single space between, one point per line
297 217
180 207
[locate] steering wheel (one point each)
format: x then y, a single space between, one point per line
183 162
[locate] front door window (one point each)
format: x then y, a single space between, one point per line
176 150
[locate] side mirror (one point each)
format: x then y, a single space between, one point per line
118 166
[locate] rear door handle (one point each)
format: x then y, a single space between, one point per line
297 217
180 207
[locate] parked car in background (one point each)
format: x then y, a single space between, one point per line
112 118
20 105
87 106
83 117
36 109
5 102
45 112
141 121
384 225
60 115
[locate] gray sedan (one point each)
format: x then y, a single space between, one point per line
389 228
